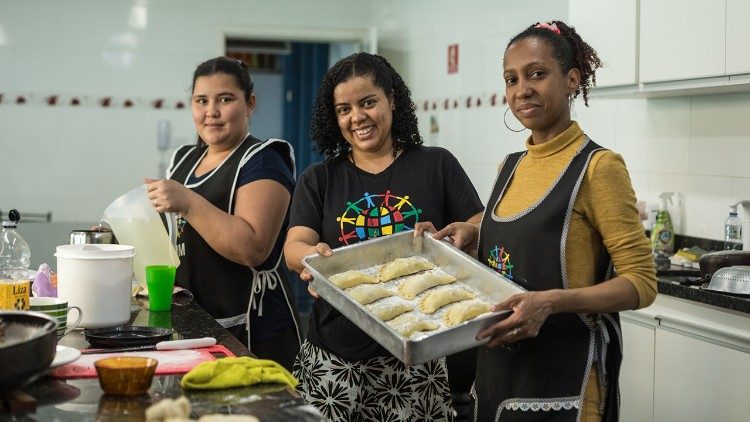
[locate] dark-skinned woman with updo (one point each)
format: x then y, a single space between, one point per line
561 215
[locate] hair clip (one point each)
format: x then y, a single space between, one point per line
551 26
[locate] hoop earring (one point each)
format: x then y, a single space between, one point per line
505 116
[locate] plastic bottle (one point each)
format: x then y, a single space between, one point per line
662 235
15 257
733 230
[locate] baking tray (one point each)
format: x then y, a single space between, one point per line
421 347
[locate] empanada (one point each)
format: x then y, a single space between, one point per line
413 285
368 293
408 324
403 266
389 310
352 278
442 296
465 311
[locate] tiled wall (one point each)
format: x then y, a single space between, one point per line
696 146
74 160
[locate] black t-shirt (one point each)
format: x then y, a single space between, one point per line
345 205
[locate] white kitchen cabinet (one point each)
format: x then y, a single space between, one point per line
738 37
684 361
610 27
680 40
699 378
637 372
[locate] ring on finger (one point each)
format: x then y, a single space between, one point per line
514 332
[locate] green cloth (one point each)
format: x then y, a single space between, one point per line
236 372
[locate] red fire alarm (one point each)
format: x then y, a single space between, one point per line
453 58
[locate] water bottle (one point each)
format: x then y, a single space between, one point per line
733 231
15 257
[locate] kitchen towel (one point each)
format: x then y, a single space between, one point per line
170 361
236 372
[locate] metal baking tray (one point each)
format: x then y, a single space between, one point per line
425 346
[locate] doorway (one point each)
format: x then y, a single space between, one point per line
286 75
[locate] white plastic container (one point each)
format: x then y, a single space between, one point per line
135 222
97 279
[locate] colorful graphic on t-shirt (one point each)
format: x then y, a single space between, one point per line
180 225
377 215
499 260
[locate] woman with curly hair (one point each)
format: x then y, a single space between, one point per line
562 212
377 180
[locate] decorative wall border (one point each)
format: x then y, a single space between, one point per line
461 102
105 101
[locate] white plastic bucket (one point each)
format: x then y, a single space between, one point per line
97 279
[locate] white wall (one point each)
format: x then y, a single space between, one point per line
697 146
416 35
75 160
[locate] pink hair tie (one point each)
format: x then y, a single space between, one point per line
551 26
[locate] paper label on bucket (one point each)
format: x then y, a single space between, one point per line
14 294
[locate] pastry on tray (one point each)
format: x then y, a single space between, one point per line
368 293
464 311
352 278
410 323
442 296
403 266
413 285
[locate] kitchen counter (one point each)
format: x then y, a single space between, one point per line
83 398
671 286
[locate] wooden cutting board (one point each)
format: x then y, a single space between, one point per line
170 361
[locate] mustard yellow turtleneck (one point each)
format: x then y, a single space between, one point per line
603 213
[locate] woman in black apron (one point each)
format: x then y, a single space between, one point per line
559 214
232 193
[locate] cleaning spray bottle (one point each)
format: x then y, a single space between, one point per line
662 235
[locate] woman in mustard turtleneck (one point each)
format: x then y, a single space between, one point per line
561 215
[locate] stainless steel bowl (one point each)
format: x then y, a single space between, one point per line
82 237
735 280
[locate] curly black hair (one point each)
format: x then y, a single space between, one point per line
568 49
324 128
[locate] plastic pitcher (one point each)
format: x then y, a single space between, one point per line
135 222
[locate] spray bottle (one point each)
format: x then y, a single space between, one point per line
662 235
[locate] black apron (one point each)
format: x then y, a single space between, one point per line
544 378
225 289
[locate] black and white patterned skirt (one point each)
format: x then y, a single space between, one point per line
379 389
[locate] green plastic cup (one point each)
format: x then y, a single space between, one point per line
160 283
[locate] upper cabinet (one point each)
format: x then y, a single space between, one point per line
667 47
610 28
738 37
682 40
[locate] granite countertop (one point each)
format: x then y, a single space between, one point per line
83 399
668 285
685 284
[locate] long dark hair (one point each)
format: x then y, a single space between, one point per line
324 128
569 49
232 67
